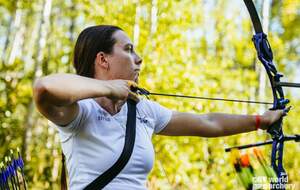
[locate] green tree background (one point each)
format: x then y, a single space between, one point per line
188 47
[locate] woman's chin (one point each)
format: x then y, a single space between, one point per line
136 79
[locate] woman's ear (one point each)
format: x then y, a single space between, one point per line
101 60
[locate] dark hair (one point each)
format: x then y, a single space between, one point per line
89 42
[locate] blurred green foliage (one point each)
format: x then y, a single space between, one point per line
188 47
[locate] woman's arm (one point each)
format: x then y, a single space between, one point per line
216 124
56 95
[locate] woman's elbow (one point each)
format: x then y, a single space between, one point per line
214 131
39 90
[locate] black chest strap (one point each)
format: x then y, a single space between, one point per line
102 180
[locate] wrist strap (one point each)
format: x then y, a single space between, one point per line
257 122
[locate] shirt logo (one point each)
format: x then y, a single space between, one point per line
142 120
102 115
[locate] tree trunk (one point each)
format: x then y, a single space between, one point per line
9 32
9 29
37 70
136 30
71 29
18 31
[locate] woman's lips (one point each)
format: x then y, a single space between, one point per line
136 77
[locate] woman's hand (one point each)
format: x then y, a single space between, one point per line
270 117
121 90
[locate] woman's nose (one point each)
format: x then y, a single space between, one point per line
138 59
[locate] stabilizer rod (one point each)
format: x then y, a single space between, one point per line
295 138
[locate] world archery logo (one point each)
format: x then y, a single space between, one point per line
102 115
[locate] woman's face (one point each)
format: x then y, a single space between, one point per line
123 62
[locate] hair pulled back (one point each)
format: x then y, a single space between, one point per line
89 42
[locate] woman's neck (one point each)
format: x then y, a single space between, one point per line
109 105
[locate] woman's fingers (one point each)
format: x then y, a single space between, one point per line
131 84
286 110
133 96
124 89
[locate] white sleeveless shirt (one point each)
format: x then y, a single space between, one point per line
95 139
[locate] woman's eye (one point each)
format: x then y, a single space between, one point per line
130 49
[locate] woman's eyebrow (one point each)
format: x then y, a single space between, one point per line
129 45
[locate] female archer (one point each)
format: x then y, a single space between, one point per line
89 111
